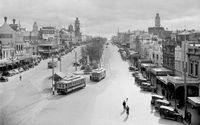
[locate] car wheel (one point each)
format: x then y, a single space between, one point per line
179 119
162 115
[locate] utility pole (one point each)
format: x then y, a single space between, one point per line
185 84
53 86
60 62
75 61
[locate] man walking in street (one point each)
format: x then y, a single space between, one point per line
20 77
124 104
127 110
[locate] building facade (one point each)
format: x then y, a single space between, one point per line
7 39
194 59
168 47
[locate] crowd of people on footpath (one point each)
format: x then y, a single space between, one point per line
125 106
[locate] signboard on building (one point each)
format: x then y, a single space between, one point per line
47 36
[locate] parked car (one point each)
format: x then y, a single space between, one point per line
16 70
140 79
20 69
6 73
170 113
12 72
160 102
25 67
146 86
31 65
3 79
133 68
134 73
155 97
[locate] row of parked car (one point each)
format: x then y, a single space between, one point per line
5 74
161 105
144 84
165 108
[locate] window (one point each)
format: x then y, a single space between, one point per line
5 35
196 69
191 68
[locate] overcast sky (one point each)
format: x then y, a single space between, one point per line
103 17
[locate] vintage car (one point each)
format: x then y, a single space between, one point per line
133 68
146 86
20 69
170 113
140 79
25 67
155 97
134 73
6 73
3 79
31 65
160 102
12 72
16 71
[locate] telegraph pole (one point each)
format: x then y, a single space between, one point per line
75 61
53 87
185 84
60 62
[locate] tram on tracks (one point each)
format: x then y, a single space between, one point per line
98 74
70 84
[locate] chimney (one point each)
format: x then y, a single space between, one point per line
5 19
13 21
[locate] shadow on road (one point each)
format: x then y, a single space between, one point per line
126 118
122 112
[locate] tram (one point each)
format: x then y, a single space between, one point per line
98 74
70 84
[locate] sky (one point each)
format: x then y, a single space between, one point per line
103 17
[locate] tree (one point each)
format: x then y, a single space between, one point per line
94 49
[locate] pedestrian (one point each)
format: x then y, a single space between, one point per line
20 77
127 110
124 104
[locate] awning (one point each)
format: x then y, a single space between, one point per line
60 75
148 66
162 79
161 71
179 81
194 101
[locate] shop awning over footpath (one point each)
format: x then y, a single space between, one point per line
148 65
195 101
162 79
179 81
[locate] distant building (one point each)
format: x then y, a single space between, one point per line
47 33
158 30
7 40
78 35
49 41
157 20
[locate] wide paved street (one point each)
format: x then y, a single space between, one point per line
97 104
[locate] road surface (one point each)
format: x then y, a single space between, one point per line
99 103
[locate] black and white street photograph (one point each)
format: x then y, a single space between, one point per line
99 62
